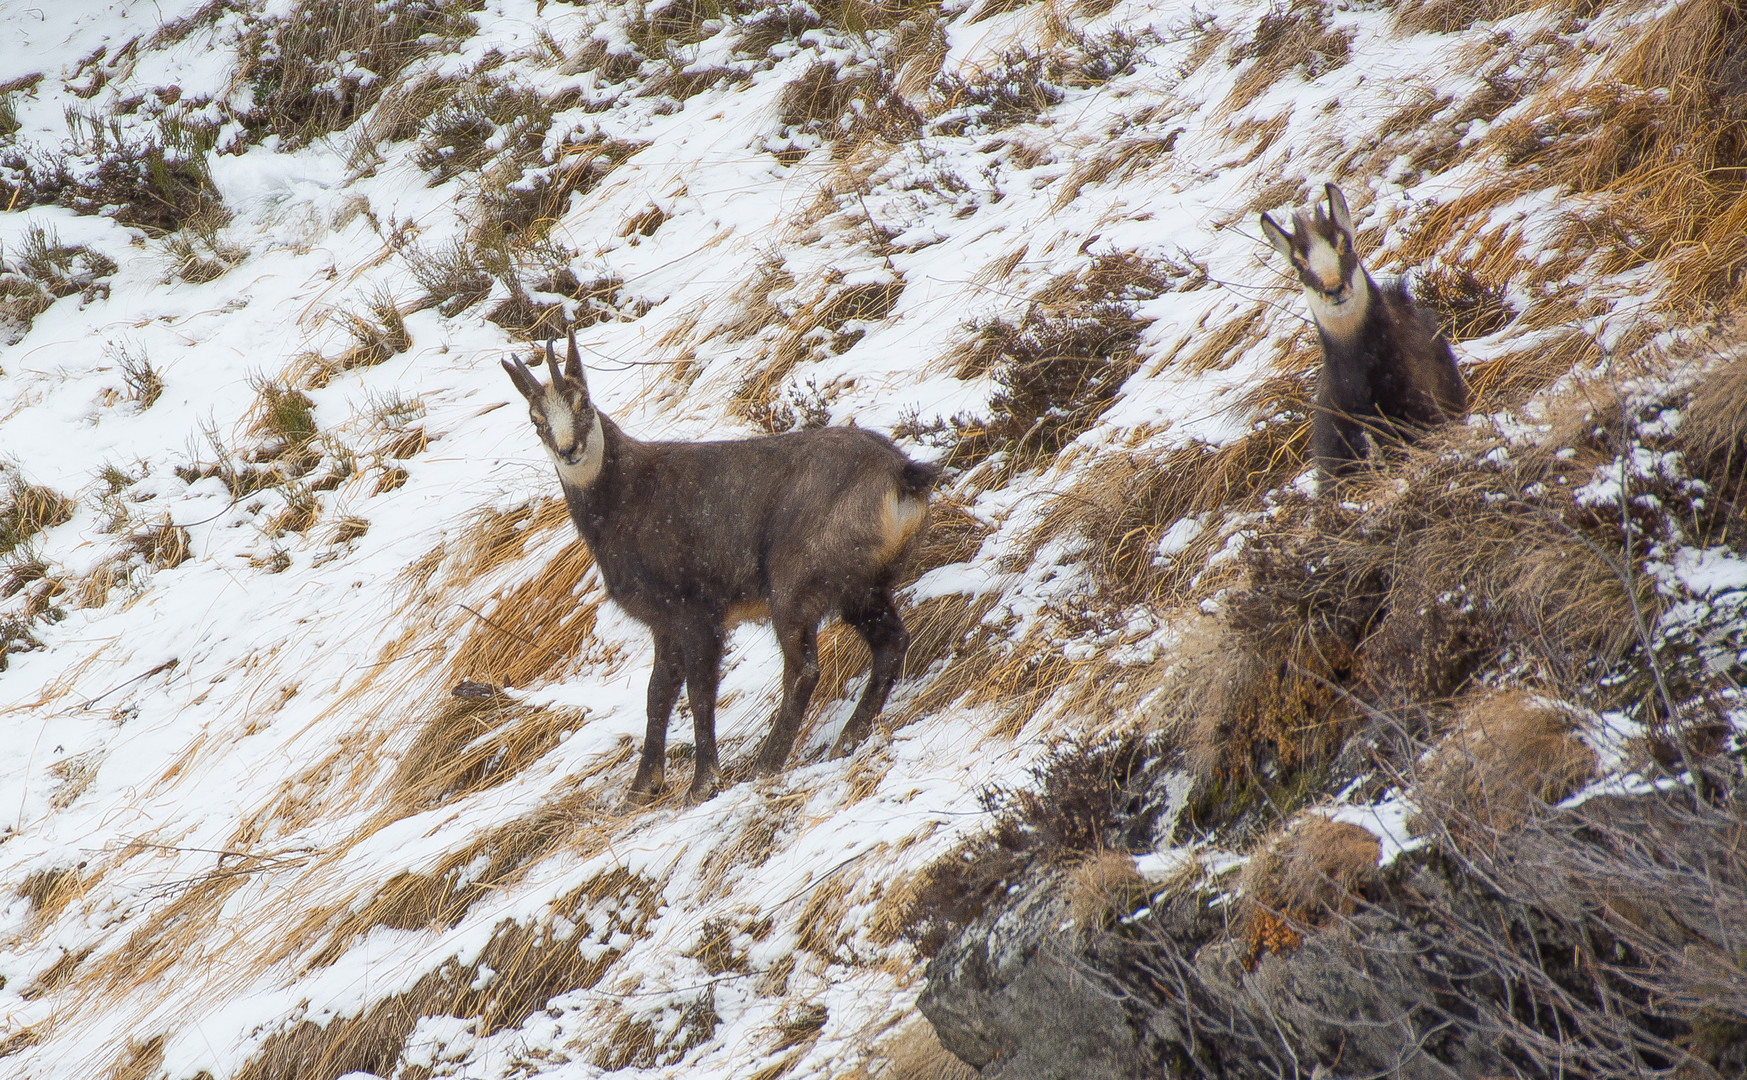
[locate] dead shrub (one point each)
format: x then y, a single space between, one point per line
1073 814
1014 89
484 118
43 269
450 275
1507 754
1063 362
828 324
1466 306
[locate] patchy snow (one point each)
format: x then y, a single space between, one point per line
208 795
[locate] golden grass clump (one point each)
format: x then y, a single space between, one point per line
1103 885
49 892
473 744
536 628
27 509
140 1061
1507 753
1311 872
912 1053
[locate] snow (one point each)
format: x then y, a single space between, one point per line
239 802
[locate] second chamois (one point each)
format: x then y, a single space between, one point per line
690 537
1386 370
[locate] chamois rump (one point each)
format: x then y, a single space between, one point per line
691 537
1386 370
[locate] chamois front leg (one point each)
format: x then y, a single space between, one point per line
703 668
664 683
882 628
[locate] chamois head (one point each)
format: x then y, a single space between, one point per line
1321 250
563 415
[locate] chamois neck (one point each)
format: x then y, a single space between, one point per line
1341 324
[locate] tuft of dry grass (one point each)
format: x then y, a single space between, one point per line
27 509
1291 36
1311 872
1103 885
140 1061
1508 753
827 324
533 962
914 1053
472 745
325 63
49 892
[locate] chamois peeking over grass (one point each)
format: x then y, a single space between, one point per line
1386 370
691 537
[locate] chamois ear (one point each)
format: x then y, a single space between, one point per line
573 364
1338 212
524 379
1276 236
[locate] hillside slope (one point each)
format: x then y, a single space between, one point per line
264 508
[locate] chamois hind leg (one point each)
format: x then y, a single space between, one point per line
797 632
876 619
664 683
703 667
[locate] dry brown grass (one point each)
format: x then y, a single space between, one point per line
1454 16
1101 886
1313 871
533 961
913 1053
1292 36
471 745
1508 753
828 324
441 897
27 509
140 1061
49 892
538 628
857 103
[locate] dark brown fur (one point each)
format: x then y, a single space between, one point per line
689 536
1389 373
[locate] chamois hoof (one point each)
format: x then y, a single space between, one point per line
703 790
644 790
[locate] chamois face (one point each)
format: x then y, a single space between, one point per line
563 416
1321 249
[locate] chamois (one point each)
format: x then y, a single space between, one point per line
691 537
1386 369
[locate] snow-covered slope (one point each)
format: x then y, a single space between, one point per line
239 806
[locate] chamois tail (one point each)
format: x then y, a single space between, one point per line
917 479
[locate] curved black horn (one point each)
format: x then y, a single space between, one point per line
573 364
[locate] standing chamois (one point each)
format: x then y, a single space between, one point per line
1386 369
690 537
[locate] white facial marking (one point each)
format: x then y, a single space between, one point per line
1325 263
587 467
1339 319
